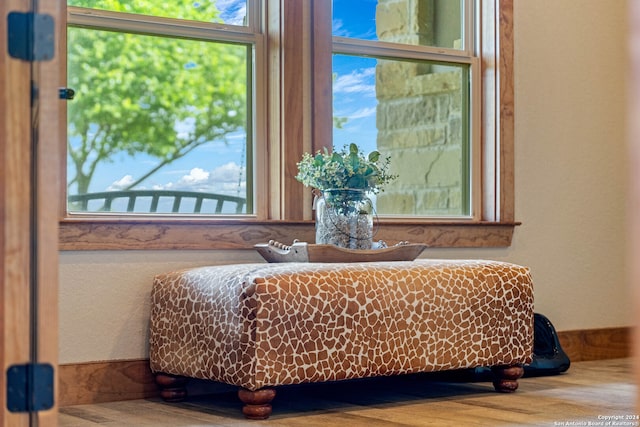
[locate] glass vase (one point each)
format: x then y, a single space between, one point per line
344 218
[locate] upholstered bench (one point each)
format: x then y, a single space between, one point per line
258 326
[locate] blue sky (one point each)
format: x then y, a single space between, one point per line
354 92
218 166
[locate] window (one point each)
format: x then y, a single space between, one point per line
163 115
294 57
404 74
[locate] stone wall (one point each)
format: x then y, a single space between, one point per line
419 118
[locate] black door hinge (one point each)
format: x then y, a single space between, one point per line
30 36
30 387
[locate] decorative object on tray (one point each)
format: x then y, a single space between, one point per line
305 252
344 212
344 218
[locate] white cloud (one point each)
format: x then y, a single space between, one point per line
338 28
359 81
232 11
226 173
121 184
362 113
196 176
225 179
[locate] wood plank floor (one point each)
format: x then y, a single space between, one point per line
584 395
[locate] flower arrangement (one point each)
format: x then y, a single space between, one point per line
345 169
341 180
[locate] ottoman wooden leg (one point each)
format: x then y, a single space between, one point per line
173 388
257 404
505 378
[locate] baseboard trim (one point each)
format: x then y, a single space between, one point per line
110 381
596 344
97 382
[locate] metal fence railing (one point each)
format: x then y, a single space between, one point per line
150 200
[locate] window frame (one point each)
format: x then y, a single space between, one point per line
302 28
248 35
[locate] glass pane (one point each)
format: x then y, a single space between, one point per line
417 112
154 113
437 23
231 12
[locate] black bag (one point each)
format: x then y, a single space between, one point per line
548 356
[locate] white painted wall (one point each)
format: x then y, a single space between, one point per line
570 194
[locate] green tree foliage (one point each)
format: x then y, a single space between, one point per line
147 94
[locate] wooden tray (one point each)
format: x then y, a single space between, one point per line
305 252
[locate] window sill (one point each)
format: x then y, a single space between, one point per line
145 234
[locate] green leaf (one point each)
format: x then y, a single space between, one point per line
374 156
346 168
354 160
356 181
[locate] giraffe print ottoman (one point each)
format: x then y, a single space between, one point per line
258 326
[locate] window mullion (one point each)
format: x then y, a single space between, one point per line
295 104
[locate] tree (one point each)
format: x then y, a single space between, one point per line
148 94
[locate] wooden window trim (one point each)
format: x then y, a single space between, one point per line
202 234
494 229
